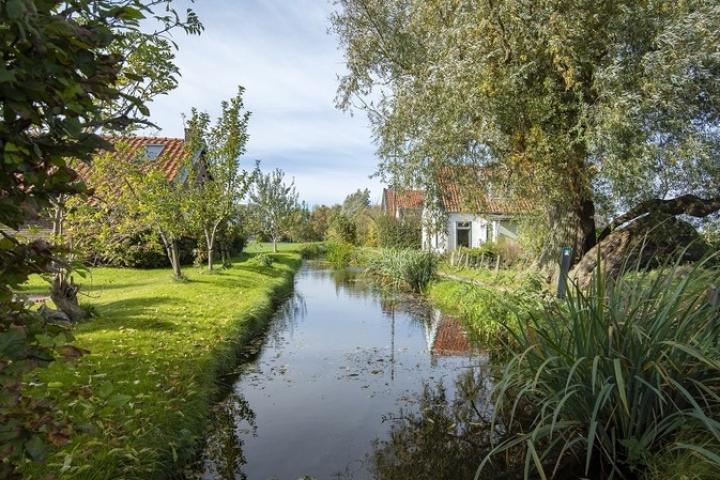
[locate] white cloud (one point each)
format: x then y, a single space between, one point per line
281 52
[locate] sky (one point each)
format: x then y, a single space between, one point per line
282 53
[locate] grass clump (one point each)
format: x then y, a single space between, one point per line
403 269
611 376
138 403
489 310
340 254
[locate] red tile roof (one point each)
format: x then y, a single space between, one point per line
408 199
468 190
170 160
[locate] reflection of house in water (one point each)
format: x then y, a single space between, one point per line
445 336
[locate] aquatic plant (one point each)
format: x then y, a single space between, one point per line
340 254
617 373
409 269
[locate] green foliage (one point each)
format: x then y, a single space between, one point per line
342 229
398 233
616 374
356 203
403 269
319 222
340 254
217 184
140 402
261 260
581 107
313 250
274 205
490 303
63 80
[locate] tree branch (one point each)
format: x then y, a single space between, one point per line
684 205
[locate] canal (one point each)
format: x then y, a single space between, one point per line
342 374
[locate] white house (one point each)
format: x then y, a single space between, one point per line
466 214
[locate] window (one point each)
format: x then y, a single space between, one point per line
489 232
152 151
462 234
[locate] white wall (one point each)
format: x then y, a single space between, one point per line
502 227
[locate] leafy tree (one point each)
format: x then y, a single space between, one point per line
342 229
275 203
587 108
319 221
356 203
218 185
57 74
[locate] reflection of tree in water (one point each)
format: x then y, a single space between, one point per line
224 457
286 319
442 438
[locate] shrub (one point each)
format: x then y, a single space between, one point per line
616 373
403 269
342 230
398 233
312 250
507 252
261 260
340 254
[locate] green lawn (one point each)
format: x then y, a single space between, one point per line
139 401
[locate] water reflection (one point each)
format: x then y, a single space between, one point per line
338 356
233 420
442 436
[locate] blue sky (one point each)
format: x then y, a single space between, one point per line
281 51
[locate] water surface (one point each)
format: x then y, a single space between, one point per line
339 368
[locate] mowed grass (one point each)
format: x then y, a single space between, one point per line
139 401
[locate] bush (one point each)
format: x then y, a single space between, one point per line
340 254
342 230
139 251
398 233
616 374
261 260
312 250
403 269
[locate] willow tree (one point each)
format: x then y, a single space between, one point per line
589 108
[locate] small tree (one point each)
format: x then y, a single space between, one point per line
275 204
219 187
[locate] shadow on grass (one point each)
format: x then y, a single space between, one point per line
135 313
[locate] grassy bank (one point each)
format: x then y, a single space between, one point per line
139 400
487 301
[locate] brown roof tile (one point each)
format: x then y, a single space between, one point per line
468 189
169 161
394 199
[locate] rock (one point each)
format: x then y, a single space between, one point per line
648 242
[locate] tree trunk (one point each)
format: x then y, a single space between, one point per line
210 242
175 259
274 242
64 295
64 290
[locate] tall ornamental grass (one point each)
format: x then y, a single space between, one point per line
403 269
608 377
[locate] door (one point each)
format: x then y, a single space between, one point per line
462 234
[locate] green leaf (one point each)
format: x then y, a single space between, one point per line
621 384
37 449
